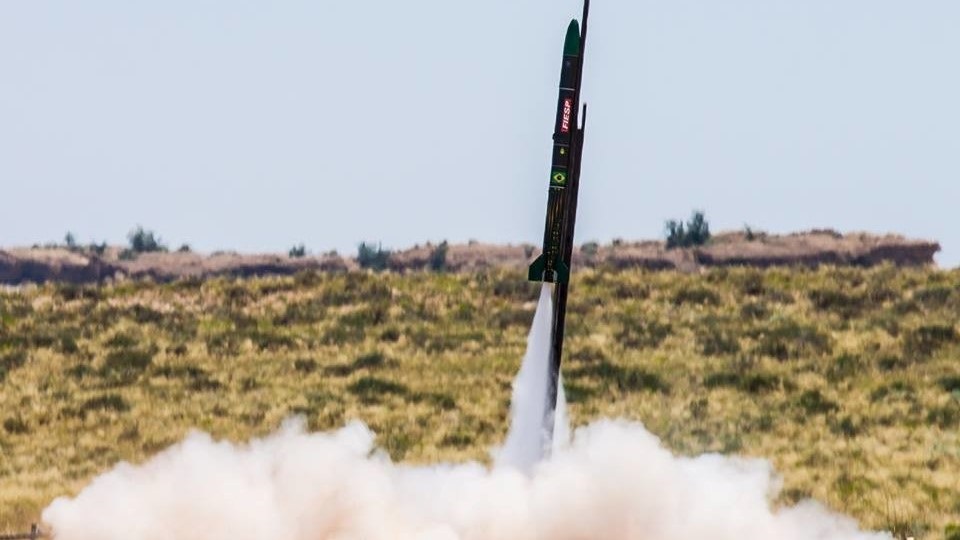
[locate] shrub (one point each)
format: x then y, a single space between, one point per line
196 378
371 360
845 366
374 258
70 241
751 283
897 388
934 297
590 249
788 339
813 402
927 339
845 304
696 295
11 361
751 234
950 384
144 241
696 232
510 316
97 249
740 377
305 365
372 389
515 289
461 438
847 427
126 364
391 335
754 311
16 425
106 402
626 379
438 257
642 333
715 341
297 252
946 416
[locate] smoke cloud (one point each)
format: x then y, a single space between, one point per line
610 480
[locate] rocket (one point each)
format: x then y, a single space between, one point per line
553 264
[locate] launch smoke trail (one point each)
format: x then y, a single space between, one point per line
613 481
526 440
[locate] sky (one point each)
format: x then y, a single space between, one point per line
254 126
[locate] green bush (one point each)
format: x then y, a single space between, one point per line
813 402
144 241
642 333
373 258
625 379
297 252
438 257
695 233
696 295
106 402
126 364
788 339
372 389
11 361
372 360
70 241
16 425
927 339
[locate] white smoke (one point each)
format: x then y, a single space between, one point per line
613 480
526 441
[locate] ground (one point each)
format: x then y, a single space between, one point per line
846 379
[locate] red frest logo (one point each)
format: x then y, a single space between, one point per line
567 114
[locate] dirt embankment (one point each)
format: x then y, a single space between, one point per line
25 265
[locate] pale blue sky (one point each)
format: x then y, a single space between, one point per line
255 125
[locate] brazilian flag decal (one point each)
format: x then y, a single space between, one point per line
558 178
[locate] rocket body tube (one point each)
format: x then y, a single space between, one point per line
551 266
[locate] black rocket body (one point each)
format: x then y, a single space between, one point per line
553 264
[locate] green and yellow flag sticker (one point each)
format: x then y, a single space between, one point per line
558 178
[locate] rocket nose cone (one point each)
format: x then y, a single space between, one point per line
571 45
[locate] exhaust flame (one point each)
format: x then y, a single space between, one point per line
613 480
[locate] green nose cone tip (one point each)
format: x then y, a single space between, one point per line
571 45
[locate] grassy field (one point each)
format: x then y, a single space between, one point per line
847 379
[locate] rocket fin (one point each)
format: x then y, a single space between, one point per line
537 269
562 272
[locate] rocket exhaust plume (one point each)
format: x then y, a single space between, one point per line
613 481
528 439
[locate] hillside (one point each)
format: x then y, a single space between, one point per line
845 378
810 249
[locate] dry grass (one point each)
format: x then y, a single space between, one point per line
845 378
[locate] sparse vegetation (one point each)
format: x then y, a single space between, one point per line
696 232
298 251
144 241
374 258
438 257
845 378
